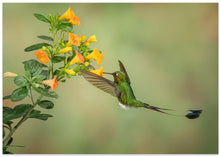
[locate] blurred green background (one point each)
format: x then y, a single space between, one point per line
171 54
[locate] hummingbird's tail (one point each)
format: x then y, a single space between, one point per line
194 113
158 109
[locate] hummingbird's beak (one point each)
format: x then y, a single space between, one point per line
108 73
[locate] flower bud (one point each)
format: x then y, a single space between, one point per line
10 74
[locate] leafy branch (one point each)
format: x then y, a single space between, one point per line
42 77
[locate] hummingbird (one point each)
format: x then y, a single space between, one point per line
121 88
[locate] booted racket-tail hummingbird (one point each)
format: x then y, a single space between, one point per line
121 88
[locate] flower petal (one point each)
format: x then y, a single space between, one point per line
77 59
71 72
73 40
96 55
99 71
82 38
69 14
42 56
66 49
52 83
90 40
75 21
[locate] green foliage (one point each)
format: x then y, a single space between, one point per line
64 26
46 104
8 144
33 67
44 37
7 97
17 112
19 94
41 18
37 114
45 92
57 59
36 47
21 81
39 78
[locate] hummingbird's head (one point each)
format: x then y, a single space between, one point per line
119 76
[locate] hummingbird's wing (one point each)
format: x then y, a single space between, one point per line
122 69
100 82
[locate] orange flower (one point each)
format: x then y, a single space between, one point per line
77 59
42 56
10 74
70 17
67 15
99 72
75 21
73 40
52 83
96 55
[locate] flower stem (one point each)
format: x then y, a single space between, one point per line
23 119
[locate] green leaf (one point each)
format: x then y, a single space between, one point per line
20 110
64 80
43 116
46 104
41 18
8 123
45 37
21 81
45 92
65 26
39 78
7 109
33 67
17 112
45 72
36 114
36 47
19 94
7 97
57 59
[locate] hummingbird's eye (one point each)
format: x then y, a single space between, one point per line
116 74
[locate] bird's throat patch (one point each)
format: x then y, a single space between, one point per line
123 106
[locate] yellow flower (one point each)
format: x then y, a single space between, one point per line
42 56
10 74
73 40
90 40
82 38
66 49
52 83
70 17
77 59
99 72
96 55
71 72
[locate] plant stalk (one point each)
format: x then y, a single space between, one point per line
23 119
